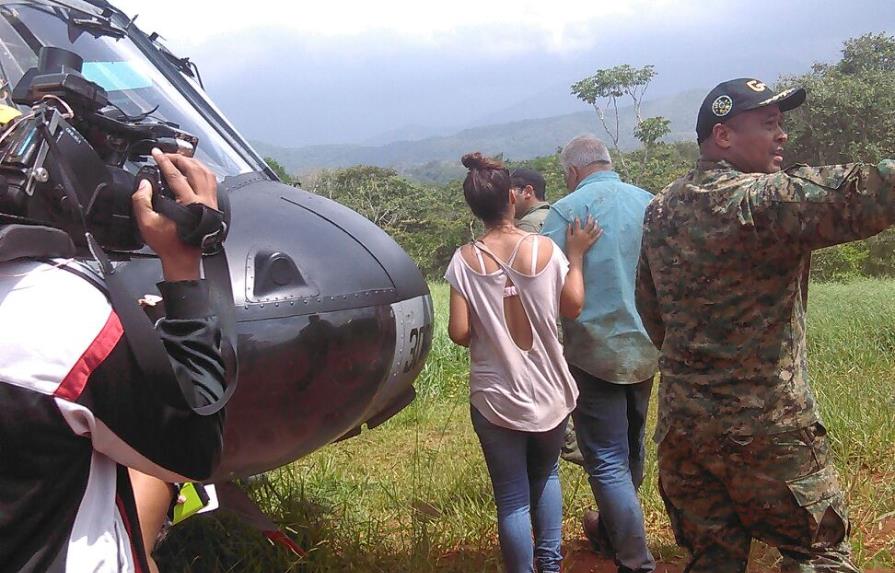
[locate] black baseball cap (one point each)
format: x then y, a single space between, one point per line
729 98
524 176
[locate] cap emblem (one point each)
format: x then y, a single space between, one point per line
756 86
722 105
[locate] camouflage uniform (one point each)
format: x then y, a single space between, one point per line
532 220
570 451
721 289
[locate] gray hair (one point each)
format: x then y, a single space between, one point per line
582 151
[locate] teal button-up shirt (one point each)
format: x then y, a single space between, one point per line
608 339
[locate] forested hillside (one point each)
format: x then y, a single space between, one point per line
517 140
849 116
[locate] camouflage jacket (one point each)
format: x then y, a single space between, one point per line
722 286
532 220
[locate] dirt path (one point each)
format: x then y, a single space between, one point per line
580 559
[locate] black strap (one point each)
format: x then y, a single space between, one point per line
220 290
197 224
144 342
148 349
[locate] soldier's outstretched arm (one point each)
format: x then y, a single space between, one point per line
819 207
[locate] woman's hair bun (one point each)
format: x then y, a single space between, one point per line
477 161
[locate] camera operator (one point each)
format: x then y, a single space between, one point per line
76 409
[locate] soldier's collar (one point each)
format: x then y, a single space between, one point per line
712 165
538 205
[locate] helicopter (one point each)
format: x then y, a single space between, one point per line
332 320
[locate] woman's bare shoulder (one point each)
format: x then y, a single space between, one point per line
474 258
545 248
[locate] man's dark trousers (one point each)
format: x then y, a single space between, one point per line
610 420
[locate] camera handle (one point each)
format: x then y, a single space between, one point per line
49 144
38 173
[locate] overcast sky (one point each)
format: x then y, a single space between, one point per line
330 71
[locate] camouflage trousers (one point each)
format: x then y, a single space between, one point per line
570 451
722 491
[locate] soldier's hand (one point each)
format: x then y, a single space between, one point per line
580 239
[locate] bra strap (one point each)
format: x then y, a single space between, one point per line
534 256
478 254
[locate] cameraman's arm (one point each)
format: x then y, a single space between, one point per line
137 421
190 332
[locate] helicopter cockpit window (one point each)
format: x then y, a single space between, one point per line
114 62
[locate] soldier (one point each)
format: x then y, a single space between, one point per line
722 288
531 199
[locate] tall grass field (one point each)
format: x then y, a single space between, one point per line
413 494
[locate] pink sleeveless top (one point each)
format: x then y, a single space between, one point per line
527 390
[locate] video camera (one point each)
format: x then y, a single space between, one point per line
63 163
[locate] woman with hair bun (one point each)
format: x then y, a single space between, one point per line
506 290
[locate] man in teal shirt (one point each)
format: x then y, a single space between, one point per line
607 348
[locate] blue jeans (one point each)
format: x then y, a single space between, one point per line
524 474
610 420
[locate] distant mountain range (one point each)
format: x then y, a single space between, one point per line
515 140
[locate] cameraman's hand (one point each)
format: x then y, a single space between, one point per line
191 182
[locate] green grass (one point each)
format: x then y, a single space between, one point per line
414 495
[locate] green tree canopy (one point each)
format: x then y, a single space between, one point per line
849 116
850 111
429 222
603 89
651 130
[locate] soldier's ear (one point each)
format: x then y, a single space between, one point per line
721 135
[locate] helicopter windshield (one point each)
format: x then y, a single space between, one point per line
113 61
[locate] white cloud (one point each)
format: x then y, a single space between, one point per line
502 25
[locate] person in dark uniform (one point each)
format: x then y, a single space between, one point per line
531 199
722 291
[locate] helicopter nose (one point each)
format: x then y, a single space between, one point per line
291 252
334 322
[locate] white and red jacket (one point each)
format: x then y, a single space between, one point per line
75 412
